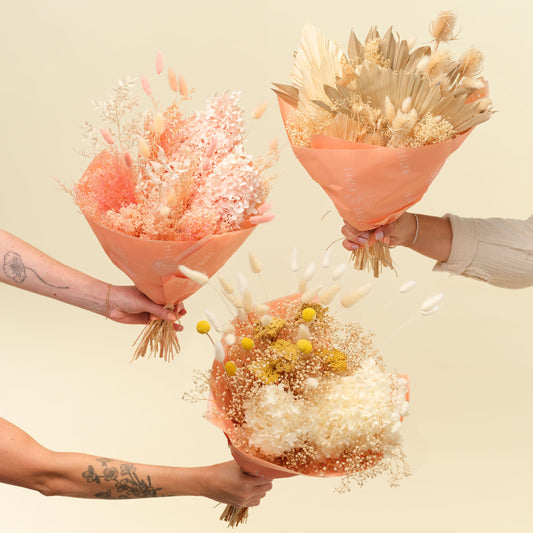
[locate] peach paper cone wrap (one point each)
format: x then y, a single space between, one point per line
153 265
371 185
220 399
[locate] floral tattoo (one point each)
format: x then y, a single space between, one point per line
126 482
16 270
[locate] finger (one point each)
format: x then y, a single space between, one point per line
349 245
349 233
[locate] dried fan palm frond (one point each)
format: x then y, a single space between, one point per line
356 51
288 93
318 62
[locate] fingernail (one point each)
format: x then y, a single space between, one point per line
379 235
361 240
354 246
365 234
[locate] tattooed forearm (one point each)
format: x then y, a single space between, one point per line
15 270
124 480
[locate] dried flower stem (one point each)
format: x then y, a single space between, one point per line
234 515
373 259
158 338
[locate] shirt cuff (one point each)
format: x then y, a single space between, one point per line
464 245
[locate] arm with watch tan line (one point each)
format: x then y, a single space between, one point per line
496 250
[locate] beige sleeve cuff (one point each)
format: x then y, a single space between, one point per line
496 250
464 245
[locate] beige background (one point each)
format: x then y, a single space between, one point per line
65 374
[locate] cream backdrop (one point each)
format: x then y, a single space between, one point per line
65 373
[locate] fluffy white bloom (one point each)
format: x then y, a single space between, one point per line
274 419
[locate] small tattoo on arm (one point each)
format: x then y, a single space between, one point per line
126 483
15 270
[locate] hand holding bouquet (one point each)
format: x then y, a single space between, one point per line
374 126
166 191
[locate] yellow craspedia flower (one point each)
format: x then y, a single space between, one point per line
231 368
308 314
304 346
203 327
247 343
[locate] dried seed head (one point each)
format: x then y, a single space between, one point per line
144 151
302 286
471 63
158 124
106 134
259 110
184 89
407 104
214 320
431 302
326 296
255 265
294 260
219 352
172 81
247 303
273 146
226 287
309 295
309 271
339 271
472 83
326 260
164 211
146 86
194 275
442 27
159 62
407 286
484 104
351 298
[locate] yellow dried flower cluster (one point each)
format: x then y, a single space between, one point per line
269 331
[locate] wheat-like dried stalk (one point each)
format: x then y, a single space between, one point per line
159 339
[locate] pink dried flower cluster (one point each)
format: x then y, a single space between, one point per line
192 176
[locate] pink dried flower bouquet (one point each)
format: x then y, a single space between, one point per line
189 197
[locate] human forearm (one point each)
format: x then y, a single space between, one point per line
28 268
24 462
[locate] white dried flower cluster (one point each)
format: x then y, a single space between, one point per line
334 415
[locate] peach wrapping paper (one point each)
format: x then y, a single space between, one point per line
371 185
220 397
153 265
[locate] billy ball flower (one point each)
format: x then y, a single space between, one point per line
203 327
247 343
